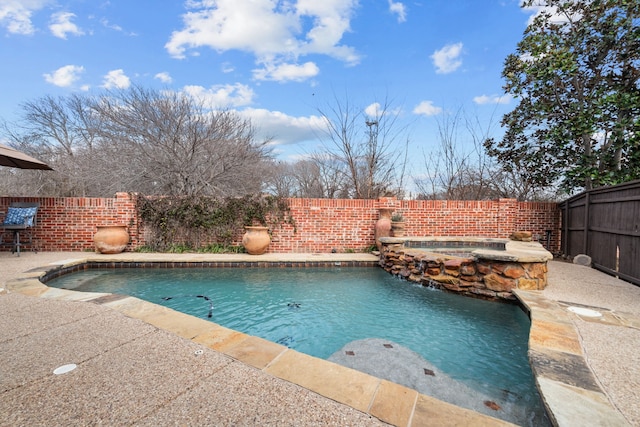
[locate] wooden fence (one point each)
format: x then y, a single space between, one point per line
604 223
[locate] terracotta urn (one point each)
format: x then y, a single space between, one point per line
398 228
111 239
256 239
383 226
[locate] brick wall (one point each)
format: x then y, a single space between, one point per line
487 218
321 225
69 223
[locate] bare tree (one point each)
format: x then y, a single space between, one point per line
282 182
332 176
461 169
516 183
447 165
308 177
182 146
363 148
62 132
314 177
139 140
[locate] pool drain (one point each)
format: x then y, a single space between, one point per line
65 368
586 312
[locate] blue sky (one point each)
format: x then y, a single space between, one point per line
276 62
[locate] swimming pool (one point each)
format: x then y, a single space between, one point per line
319 310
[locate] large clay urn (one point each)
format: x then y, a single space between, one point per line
383 226
256 240
398 228
111 239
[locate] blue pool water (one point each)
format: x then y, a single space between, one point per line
317 311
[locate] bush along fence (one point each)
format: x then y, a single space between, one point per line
308 226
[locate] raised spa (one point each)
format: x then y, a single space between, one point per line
474 266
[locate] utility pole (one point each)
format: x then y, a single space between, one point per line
372 156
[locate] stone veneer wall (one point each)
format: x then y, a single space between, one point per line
322 225
484 278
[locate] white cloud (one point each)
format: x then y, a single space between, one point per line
115 27
222 96
116 79
287 72
555 16
447 59
331 19
15 15
64 76
426 108
232 24
274 32
61 25
492 99
105 23
399 9
164 77
376 111
373 110
284 129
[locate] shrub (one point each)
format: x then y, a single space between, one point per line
179 224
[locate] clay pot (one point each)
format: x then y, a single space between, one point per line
383 226
398 228
111 239
256 239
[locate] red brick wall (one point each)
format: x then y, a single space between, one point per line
487 218
69 223
321 225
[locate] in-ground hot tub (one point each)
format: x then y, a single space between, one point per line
476 266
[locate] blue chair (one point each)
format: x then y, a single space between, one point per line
20 218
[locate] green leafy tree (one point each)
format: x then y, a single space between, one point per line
576 76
